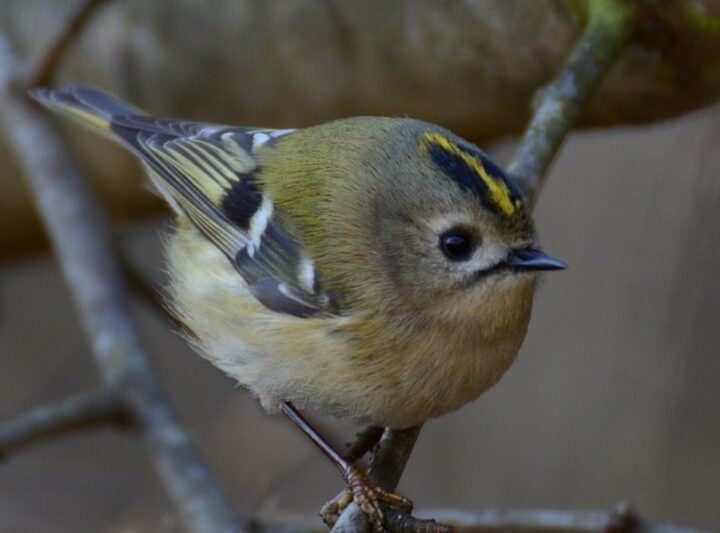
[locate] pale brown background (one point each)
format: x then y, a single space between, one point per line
615 395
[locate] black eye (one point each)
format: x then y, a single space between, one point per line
457 245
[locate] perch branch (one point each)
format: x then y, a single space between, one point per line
391 456
43 74
81 236
558 105
494 520
386 468
103 407
365 441
623 519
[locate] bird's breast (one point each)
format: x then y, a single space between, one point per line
434 365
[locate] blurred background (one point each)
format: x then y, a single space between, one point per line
616 393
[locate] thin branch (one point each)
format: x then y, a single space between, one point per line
388 464
81 236
494 520
386 468
103 407
558 105
508 520
391 456
43 74
365 441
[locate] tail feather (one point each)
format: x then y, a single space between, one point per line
85 104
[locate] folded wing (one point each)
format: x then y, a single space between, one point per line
207 172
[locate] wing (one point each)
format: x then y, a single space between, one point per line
208 172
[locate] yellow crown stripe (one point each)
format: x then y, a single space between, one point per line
499 192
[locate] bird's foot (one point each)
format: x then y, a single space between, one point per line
367 497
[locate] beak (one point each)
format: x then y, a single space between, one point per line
530 259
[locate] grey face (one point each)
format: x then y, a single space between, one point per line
468 227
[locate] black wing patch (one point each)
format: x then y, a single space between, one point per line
243 200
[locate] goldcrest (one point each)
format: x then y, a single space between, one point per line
375 269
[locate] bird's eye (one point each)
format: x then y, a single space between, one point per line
457 244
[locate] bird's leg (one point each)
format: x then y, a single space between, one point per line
360 490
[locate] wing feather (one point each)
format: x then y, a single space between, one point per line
208 172
266 258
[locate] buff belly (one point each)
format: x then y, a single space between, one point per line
335 365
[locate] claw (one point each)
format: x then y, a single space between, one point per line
367 497
360 490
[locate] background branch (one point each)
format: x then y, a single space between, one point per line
558 105
43 74
81 236
103 407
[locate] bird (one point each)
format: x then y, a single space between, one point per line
376 269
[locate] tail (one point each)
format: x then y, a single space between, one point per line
86 104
